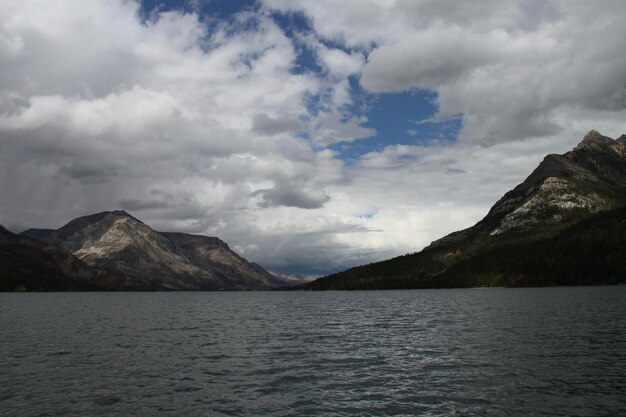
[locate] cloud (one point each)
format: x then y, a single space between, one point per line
331 129
427 60
88 173
338 63
514 71
132 204
292 198
100 107
265 125
216 127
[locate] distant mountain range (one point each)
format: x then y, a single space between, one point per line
564 225
115 251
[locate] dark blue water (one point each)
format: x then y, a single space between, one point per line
499 352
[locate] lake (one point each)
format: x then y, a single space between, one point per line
469 352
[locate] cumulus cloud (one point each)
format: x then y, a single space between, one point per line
266 125
101 107
331 129
514 70
338 63
277 197
213 127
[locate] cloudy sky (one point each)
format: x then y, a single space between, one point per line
310 135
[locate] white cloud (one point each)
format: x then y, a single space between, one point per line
93 99
331 129
340 64
266 125
207 128
512 69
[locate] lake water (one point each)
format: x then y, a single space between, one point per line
496 352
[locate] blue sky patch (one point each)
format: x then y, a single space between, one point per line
406 118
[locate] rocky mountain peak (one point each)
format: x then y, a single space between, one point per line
563 188
575 202
119 243
113 214
120 213
594 138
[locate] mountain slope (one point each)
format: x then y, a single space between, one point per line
119 243
30 265
213 253
511 246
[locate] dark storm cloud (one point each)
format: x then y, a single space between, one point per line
277 197
138 205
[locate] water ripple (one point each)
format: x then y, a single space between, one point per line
539 352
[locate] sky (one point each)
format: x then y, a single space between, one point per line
311 136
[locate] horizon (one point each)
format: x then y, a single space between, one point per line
309 137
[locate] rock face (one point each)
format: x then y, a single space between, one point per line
579 196
562 189
211 253
31 265
119 243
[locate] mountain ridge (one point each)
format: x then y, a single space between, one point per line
579 196
562 191
551 168
28 264
119 243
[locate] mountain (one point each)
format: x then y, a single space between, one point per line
30 265
211 253
564 225
119 243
